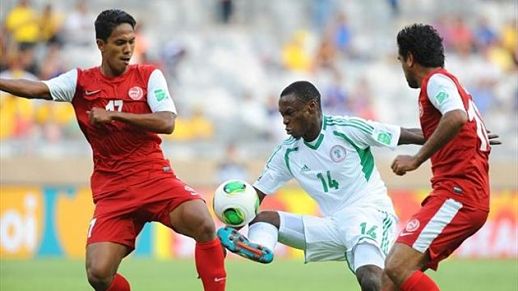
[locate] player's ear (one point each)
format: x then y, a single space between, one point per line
410 61
100 44
312 105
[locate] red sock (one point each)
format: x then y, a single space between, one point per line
119 283
210 265
418 281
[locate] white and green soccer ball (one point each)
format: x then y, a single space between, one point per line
235 203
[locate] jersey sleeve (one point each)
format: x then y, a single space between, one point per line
443 94
63 87
159 98
365 133
275 172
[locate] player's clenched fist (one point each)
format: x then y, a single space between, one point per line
99 116
403 164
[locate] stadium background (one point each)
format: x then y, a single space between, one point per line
226 62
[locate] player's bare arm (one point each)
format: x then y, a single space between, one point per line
159 122
25 88
411 136
448 127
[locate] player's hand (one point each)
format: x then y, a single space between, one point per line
403 164
493 138
99 116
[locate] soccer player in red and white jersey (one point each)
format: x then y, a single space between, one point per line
120 109
458 146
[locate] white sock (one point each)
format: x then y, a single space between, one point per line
264 234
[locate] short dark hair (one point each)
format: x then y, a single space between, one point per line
425 44
303 90
108 20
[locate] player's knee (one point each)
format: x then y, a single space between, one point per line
271 217
205 230
369 277
99 277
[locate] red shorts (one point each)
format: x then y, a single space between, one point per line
440 227
121 216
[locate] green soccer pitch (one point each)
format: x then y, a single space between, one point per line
281 275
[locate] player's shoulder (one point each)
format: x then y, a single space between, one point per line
89 71
441 78
339 119
289 142
344 122
143 68
88 76
143 71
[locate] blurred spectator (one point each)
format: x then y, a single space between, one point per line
325 57
53 119
361 100
335 96
172 54
78 29
52 64
230 166
322 11
253 115
17 114
23 22
295 54
140 54
195 127
225 10
394 7
51 24
182 130
485 35
201 126
442 25
509 35
461 36
483 94
342 34
500 56
25 59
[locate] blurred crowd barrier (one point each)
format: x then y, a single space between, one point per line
227 61
52 221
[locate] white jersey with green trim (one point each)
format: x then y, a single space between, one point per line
336 169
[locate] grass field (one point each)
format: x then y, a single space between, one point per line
282 275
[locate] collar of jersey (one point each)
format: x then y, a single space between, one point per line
315 143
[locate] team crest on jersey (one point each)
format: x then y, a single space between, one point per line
337 153
136 93
412 225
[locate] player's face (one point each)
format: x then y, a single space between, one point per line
118 48
298 116
406 66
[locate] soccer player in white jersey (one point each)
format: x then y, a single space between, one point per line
331 159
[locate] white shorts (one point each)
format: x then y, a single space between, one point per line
335 238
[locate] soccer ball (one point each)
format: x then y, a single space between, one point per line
235 203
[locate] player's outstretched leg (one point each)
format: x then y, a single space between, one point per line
237 243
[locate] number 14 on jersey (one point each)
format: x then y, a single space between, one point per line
328 181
